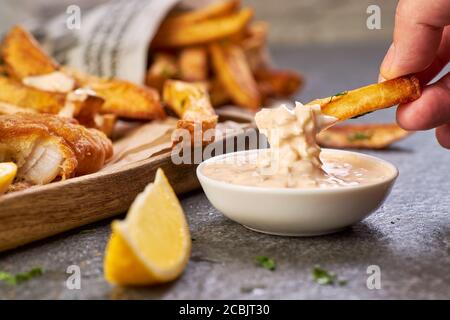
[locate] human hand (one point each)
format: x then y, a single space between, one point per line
422 46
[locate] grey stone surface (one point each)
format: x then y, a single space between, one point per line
408 237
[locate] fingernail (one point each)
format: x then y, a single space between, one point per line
381 78
388 60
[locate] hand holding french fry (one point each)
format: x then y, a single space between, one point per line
422 46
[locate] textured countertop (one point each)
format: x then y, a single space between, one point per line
408 237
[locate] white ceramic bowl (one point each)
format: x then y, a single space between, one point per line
296 212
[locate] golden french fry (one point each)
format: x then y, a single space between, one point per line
3 70
278 83
218 94
86 113
363 136
231 68
203 31
163 67
23 57
214 10
191 103
15 93
106 123
254 45
122 98
6 108
193 62
349 104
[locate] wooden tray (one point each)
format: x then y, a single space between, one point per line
43 211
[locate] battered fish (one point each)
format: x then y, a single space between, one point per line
47 147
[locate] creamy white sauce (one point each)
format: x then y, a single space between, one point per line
337 170
294 159
53 82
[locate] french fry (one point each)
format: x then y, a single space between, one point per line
106 123
84 111
6 108
278 83
231 68
348 104
256 34
3 70
254 45
15 93
122 98
362 136
203 31
23 57
214 10
218 94
193 62
191 103
163 67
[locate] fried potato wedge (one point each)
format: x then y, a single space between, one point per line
360 101
122 98
191 103
232 70
15 93
170 35
23 57
193 62
3 69
214 10
106 123
278 83
6 108
362 136
254 45
218 94
163 67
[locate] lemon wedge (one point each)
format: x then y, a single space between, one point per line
8 172
152 245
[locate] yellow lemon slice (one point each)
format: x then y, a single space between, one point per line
152 245
8 172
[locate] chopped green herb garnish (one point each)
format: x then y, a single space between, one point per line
323 277
359 136
338 94
266 262
19 278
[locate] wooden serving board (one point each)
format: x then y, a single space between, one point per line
43 211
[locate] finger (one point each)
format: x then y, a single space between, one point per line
441 60
417 35
431 110
443 135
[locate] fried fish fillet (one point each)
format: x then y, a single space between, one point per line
40 156
46 147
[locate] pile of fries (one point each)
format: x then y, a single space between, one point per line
32 82
222 49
